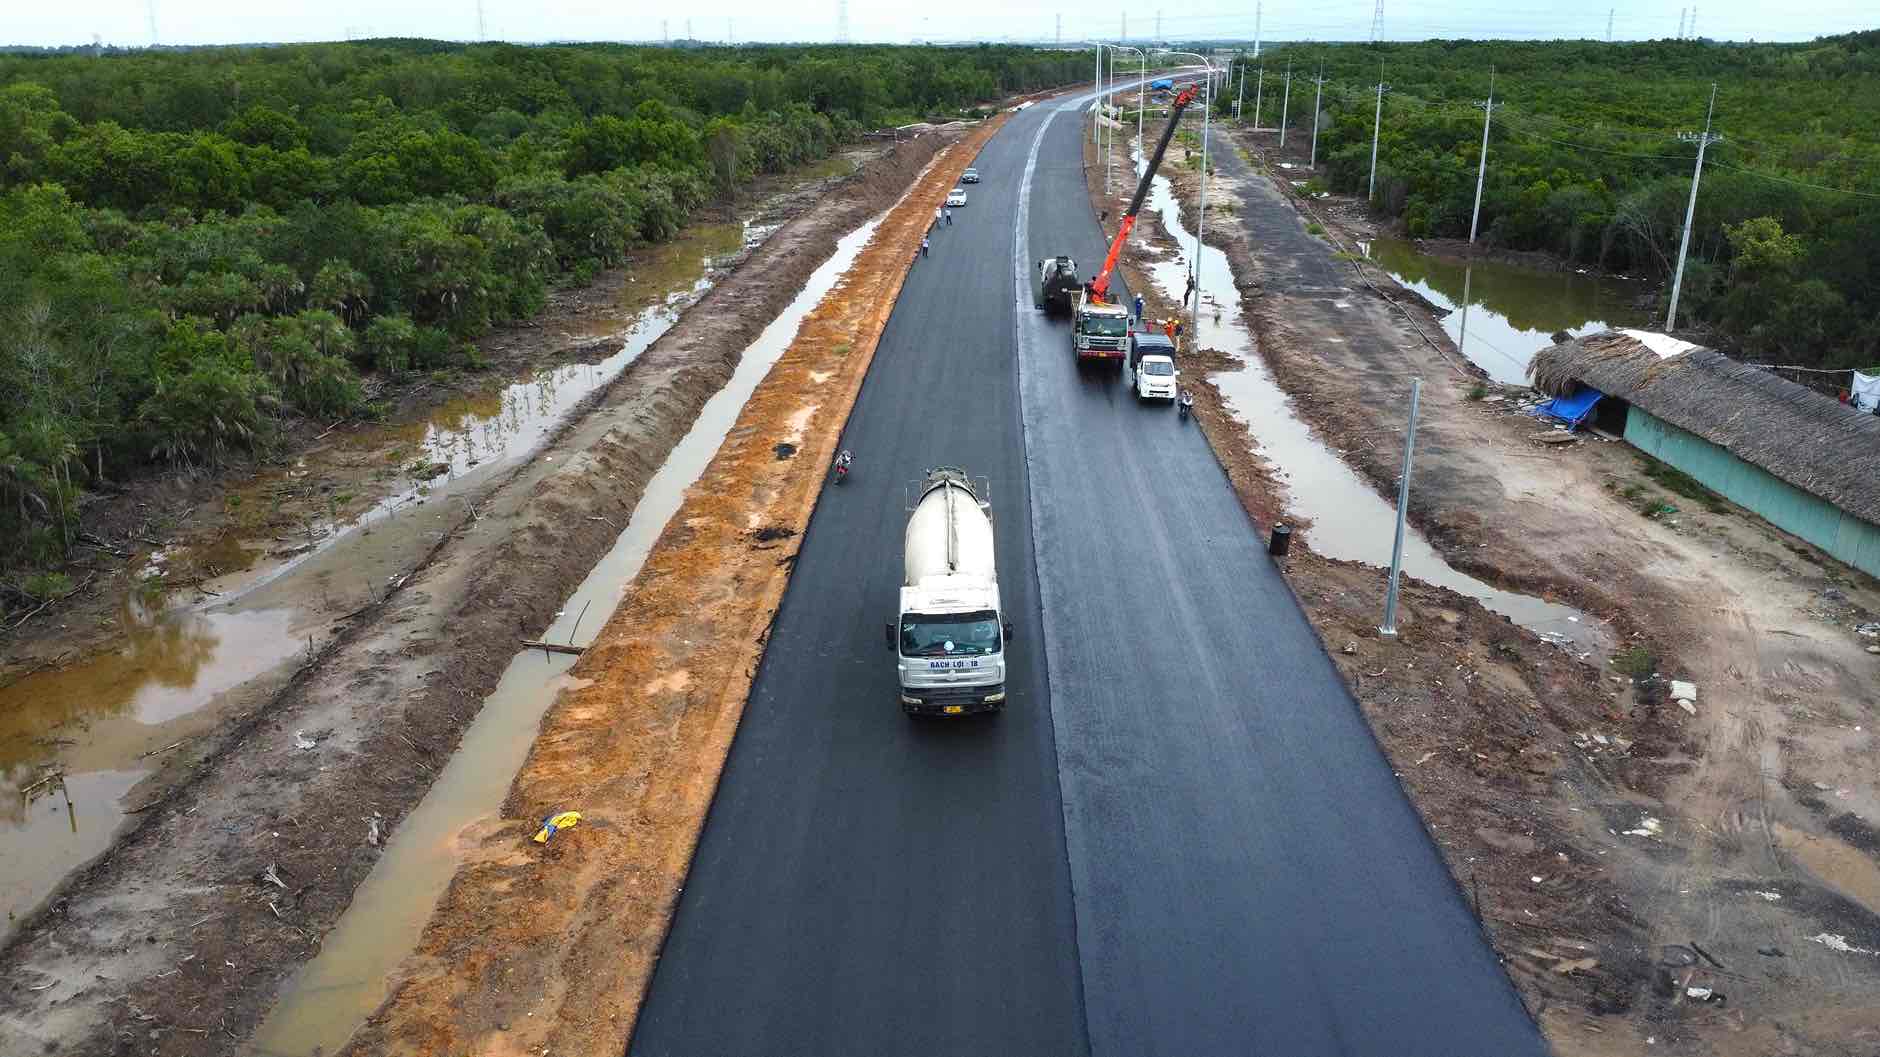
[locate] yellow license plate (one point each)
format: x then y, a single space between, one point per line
952 710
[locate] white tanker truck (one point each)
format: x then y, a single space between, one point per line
949 642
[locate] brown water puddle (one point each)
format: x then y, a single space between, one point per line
335 992
92 725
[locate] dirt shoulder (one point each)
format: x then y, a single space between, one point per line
514 960
1621 849
178 939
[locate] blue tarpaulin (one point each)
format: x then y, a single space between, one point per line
1571 409
1164 83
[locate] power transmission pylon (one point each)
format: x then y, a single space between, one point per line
150 9
1703 141
1377 22
482 34
842 21
1057 36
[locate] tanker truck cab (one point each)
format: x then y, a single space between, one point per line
950 636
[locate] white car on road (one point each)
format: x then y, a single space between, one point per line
1155 378
958 197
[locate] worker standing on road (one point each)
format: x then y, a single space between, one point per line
923 245
936 214
1138 308
949 215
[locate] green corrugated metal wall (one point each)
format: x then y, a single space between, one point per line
1783 505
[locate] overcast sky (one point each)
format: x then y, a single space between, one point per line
128 22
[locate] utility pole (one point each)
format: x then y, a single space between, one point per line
1703 141
1241 95
1481 171
1096 123
842 21
1389 628
1125 37
1257 12
1609 25
1158 25
731 36
1313 162
1259 89
150 10
1057 35
1377 125
1285 103
1201 206
481 34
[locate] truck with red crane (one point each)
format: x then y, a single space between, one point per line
1100 326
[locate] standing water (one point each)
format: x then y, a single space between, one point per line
333 994
1513 311
75 741
1350 521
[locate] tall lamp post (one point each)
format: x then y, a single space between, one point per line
1201 210
1142 98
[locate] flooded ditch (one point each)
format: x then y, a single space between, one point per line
75 741
335 992
1513 311
1350 521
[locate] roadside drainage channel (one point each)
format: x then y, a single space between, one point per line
103 726
1350 521
334 993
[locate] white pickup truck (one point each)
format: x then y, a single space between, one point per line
950 640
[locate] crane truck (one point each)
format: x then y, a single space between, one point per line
950 639
1099 326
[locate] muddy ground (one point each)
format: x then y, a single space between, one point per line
512 961
177 940
1621 850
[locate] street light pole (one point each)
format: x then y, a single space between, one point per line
1201 209
1389 627
1690 210
1377 124
1481 171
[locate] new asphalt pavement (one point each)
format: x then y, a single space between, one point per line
1179 838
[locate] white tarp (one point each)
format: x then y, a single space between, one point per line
1664 345
1866 390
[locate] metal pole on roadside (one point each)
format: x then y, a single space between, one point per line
1259 89
1142 99
1481 172
1096 85
1241 95
1201 206
1285 102
1389 627
1103 119
1317 95
1377 124
1690 211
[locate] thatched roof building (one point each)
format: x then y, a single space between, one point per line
1825 448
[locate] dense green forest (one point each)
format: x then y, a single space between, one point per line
1585 161
196 243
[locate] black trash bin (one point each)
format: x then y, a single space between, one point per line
1281 542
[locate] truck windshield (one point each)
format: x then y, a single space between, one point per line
949 635
1106 326
1157 367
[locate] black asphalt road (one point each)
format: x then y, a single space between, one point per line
1186 842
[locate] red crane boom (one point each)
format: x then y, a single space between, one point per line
1100 286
